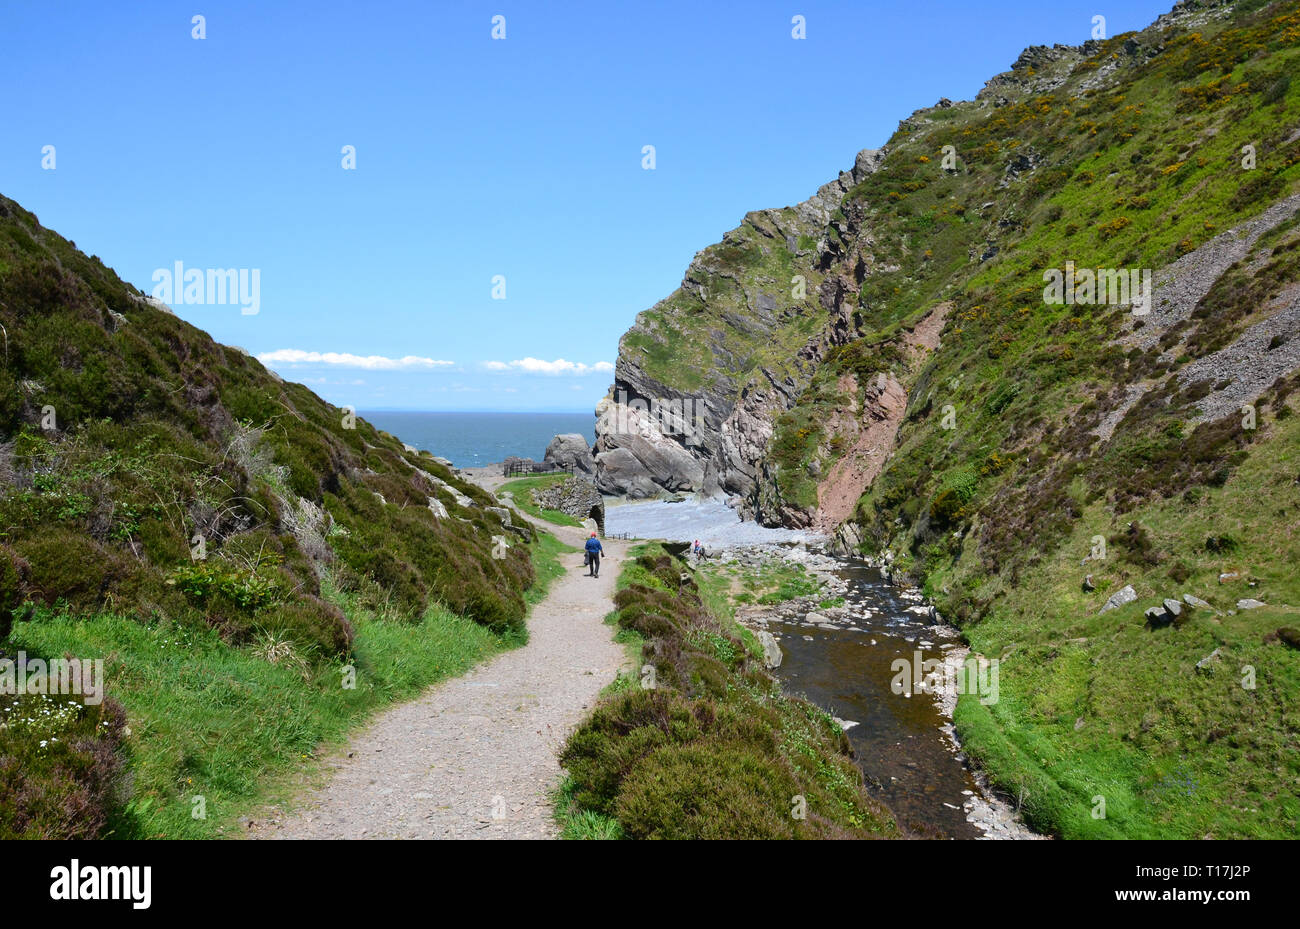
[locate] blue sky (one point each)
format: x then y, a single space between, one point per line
475 158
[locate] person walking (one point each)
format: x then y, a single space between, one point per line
594 551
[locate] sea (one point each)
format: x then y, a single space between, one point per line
471 440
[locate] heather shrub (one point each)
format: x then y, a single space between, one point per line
61 767
13 571
708 790
620 732
311 622
69 566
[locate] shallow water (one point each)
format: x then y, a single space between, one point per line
711 521
907 759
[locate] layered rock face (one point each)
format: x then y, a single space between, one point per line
641 451
702 375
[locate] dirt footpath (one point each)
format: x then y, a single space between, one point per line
476 756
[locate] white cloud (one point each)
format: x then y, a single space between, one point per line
325 380
296 356
558 366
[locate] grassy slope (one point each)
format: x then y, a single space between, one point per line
125 433
523 490
1175 751
996 514
222 723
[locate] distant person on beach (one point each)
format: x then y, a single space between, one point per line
594 551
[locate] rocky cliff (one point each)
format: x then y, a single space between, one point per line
716 385
702 374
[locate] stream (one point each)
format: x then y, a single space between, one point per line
841 659
910 762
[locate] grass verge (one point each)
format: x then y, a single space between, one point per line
523 493
214 731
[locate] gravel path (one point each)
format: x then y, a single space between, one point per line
475 756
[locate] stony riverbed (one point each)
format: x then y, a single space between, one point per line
843 657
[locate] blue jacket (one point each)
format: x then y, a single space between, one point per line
593 545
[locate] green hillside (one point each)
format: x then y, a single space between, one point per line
1035 428
165 497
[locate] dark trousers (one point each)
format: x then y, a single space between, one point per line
593 562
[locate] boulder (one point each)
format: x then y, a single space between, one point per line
1206 664
1249 604
1088 586
570 452
1158 616
1196 602
1119 598
1173 607
772 656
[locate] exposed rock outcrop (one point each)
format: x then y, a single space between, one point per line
571 452
1120 597
703 374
